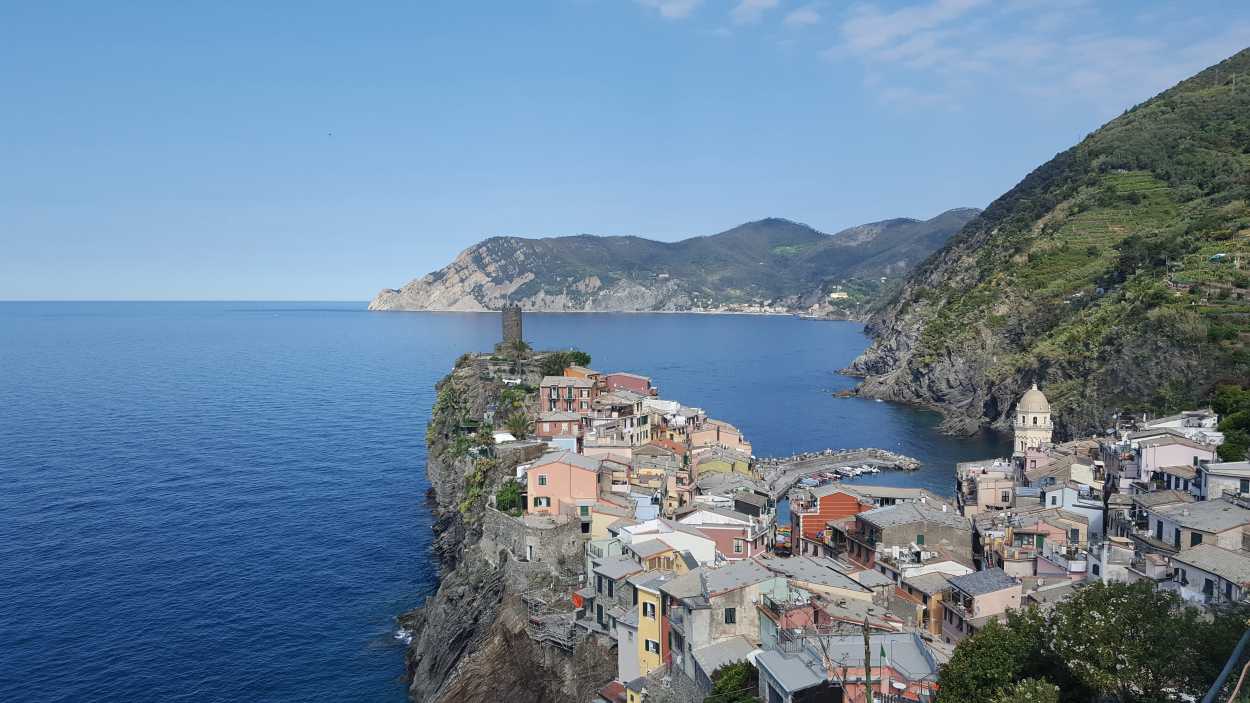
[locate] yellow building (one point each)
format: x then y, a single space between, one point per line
721 460
650 649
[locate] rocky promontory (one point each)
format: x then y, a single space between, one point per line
768 266
469 641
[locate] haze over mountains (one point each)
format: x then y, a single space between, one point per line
772 264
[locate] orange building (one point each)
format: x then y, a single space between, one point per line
809 515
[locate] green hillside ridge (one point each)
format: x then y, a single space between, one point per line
770 261
1109 275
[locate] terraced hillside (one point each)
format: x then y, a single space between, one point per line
1117 275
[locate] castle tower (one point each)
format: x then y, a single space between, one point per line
512 324
1032 422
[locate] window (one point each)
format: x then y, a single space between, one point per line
738 548
919 541
542 479
1034 419
1096 569
648 610
652 646
598 583
1006 497
1176 537
1074 535
1054 500
611 588
542 502
583 510
1245 485
731 616
1195 539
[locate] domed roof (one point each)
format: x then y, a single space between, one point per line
1033 401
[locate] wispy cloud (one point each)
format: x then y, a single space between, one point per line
935 52
672 9
750 11
805 16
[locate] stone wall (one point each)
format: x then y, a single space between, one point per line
559 547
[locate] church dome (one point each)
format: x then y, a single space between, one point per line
1033 401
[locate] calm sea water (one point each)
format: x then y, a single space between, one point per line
224 501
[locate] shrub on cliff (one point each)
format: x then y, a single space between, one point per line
555 363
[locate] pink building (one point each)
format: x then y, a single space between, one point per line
737 536
562 482
975 599
630 382
560 428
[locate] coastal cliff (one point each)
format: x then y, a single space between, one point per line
1115 276
469 640
768 266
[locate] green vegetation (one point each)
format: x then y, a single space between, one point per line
555 363
508 498
518 424
1124 642
767 260
735 683
475 484
1233 405
1136 240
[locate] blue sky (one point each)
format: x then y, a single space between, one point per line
325 150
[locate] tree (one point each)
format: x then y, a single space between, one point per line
1128 641
734 683
1233 405
1029 691
988 662
555 363
508 497
518 425
579 358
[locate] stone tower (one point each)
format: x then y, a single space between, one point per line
1032 422
512 331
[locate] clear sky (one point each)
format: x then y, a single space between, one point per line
314 150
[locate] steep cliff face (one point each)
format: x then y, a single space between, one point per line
469 640
1114 275
774 263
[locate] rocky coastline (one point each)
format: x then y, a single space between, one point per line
468 641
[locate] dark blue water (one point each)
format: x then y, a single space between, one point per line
225 501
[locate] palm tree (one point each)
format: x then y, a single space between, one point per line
518 425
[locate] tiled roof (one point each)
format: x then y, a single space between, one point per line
1229 468
981 582
816 570
727 651
618 567
1205 516
1229 565
566 382
928 584
1158 498
565 457
911 513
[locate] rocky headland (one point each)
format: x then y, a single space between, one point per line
469 641
771 266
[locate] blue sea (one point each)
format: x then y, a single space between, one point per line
226 501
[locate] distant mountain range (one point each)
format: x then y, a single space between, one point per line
1116 275
772 265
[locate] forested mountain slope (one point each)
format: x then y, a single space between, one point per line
1116 275
769 263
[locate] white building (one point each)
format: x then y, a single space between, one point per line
1208 574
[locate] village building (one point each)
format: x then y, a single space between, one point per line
884 533
1222 479
562 483
833 668
566 394
737 535
1173 527
813 509
975 599
1210 575
718 433
621 380
585 374
561 429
